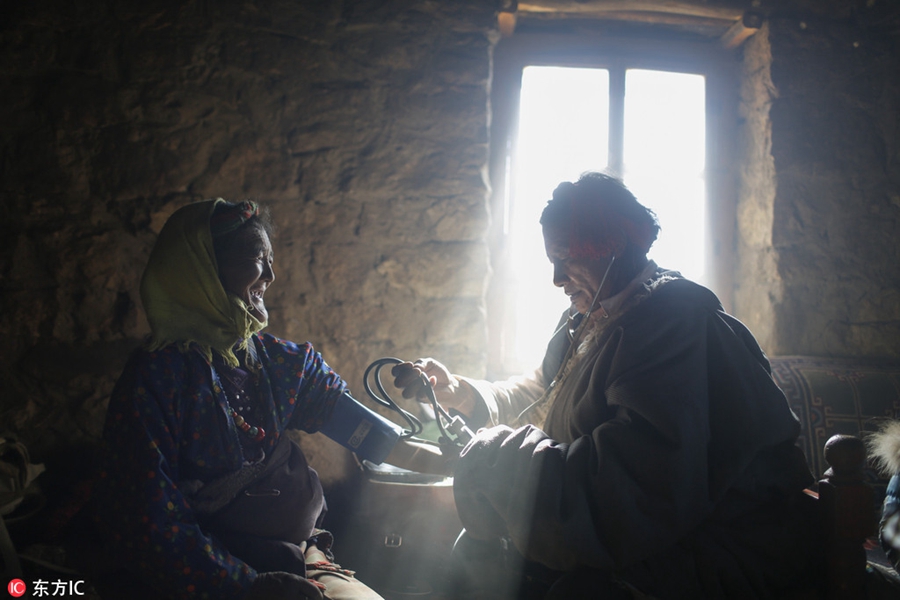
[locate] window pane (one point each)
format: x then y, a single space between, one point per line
665 159
563 131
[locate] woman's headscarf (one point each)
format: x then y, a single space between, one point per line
181 291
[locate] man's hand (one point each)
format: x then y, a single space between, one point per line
448 390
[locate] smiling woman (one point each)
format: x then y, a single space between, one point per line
200 492
244 257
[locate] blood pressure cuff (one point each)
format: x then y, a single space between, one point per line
366 433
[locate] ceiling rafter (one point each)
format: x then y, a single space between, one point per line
727 11
731 21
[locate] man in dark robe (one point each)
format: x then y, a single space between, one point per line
654 454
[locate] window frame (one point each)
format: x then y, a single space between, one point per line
721 68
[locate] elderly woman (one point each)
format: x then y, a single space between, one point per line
201 493
654 454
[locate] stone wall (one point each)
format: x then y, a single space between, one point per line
362 124
820 200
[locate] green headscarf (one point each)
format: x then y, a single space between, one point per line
182 294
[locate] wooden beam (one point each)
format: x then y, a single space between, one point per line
742 29
655 18
730 11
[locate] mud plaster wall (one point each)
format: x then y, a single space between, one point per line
363 125
819 210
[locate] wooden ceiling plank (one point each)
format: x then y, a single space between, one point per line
603 8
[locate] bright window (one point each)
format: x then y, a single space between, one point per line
665 162
646 126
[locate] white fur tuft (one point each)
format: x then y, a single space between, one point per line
884 448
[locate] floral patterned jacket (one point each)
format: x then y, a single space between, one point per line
167 422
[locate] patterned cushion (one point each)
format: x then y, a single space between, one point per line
831 395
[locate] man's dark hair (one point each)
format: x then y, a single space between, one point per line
601 216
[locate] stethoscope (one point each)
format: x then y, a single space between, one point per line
573 324
574 334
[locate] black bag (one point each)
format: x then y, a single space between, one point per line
278 499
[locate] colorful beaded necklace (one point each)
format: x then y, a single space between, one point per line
233 380
257 434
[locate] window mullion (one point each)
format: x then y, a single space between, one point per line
616 120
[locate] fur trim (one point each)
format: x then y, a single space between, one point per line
884 448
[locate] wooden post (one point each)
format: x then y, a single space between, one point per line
849 514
